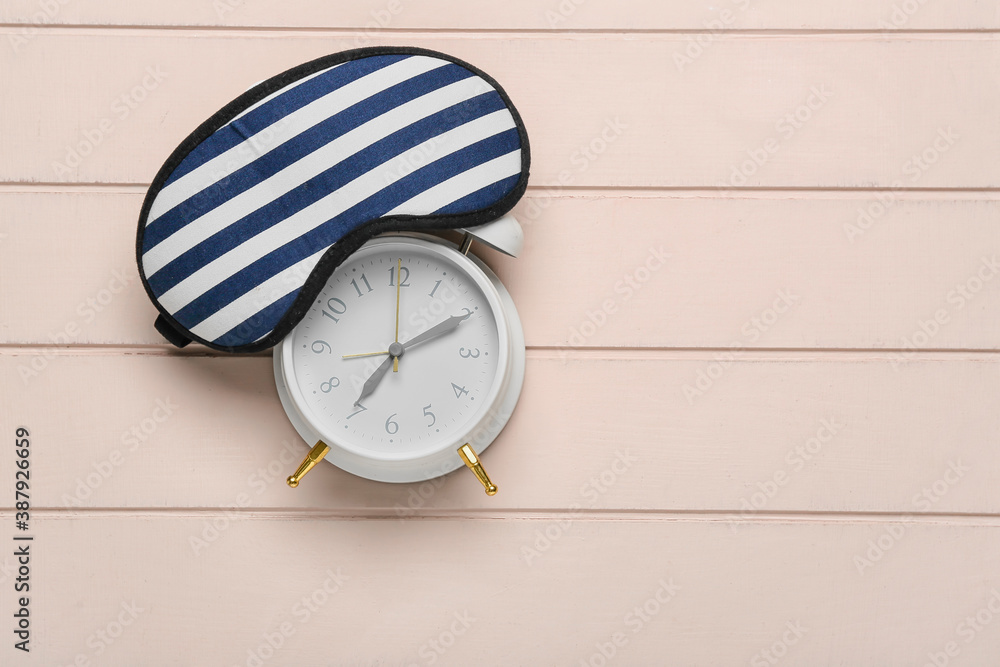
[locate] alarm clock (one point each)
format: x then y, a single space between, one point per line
410 360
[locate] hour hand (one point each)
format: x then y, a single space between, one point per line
374 379
436 330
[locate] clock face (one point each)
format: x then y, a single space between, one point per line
451 346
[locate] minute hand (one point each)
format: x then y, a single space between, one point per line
436 330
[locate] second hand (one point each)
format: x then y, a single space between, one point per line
399 281
365 354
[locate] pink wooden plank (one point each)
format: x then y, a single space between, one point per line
375 15
792 112
682 431
592 273
461 592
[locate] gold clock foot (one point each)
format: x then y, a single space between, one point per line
315 455
471 459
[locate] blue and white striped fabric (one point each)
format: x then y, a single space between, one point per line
329 153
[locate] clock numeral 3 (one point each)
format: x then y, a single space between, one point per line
365 281
331 305
391 427
459 390
404 274
329 386
468 354
321 346
428 413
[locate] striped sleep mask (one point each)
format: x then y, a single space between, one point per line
251 214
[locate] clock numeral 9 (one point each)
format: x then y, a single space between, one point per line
321 346
329 386
391 427
404 274
330 303
428 413
468 354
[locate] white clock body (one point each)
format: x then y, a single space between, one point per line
458 387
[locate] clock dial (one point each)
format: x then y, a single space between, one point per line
450 350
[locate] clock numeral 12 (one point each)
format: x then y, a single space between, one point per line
404 274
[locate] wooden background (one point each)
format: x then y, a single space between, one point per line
779 447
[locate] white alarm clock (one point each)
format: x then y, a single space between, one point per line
410 360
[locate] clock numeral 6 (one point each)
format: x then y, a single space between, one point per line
459 390
391 427
428 413
329 386
468 354
336 306
321 346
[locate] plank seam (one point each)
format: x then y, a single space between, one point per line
556 191
476 33
805 517
764 354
